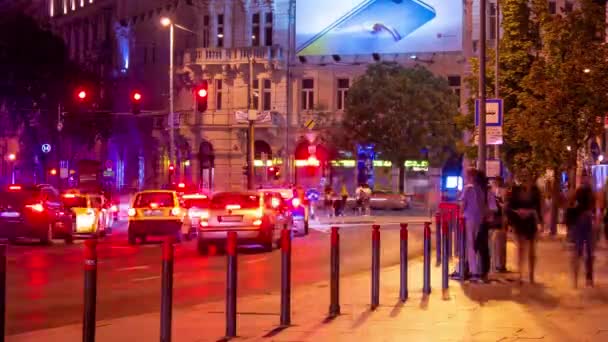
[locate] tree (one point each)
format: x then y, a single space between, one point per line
407 113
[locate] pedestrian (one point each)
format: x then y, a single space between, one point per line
473 209
489 210
583 233
328 195
359 199
524 211
344 197
498 228
366 199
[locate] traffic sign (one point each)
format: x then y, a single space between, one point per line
493 168
493 135
310 124
494 112
46 148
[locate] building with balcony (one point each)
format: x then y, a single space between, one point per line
244 49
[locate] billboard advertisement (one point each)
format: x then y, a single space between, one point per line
349 27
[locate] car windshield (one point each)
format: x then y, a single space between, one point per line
17 199
196 203
74 202
161 199
244 201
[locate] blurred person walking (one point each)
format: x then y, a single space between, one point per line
524 213
498 228
489 215
583 233
473 209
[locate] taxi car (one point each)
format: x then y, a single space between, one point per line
256 217
89 215
155 213
195 205
297 204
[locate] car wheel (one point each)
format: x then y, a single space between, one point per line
142 239
131 238
202 247
47 239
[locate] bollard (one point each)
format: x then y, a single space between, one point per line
448 220
426 279
462 259
334 306
2 291
403 293
231 277
455 232
166 291
375 266
445 264
438 238
285 277
90 290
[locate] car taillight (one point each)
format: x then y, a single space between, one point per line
204 223
275 203
296 202
175 211
233 207
131 212
204 215
257 222
38 207
259 213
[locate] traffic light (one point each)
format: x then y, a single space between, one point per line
81 95
171 168
274 172
136 99
53 172
202 94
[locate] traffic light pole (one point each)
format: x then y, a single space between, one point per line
481 151
171 99
251 130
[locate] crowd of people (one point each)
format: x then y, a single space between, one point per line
336 205
492 210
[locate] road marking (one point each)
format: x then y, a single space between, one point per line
253 261
144 278
133 268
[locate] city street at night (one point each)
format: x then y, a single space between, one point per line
45 284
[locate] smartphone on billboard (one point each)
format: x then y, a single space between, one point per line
372 26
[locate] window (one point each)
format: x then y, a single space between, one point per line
268 30
255 29
454 82
343 85
256 94
308 94
218 94
266 95
552 7
206 31
568 7
220 30
492 22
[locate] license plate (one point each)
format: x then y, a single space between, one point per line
153 213
233 218
11 214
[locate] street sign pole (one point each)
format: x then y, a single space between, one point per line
481 148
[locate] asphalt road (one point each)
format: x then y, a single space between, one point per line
45 283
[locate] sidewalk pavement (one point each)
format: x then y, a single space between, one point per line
370 219
503 310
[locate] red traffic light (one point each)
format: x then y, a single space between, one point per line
53 172
81 94
136 96
202 93
171 168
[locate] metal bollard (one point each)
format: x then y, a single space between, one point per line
90 290
2 291
166 291
462 259
438 238
426 279
445 264
375 266
450 235
403 293
231 277
285 277
455 232
334 306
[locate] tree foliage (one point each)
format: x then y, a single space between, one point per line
407 113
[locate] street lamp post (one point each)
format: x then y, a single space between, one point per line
481 151
167 22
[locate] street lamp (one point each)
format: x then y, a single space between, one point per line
587 70
167 22
12 157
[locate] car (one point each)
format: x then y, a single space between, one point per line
256 217
297 205
90 217
33 211
389 200
196 205
155 213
